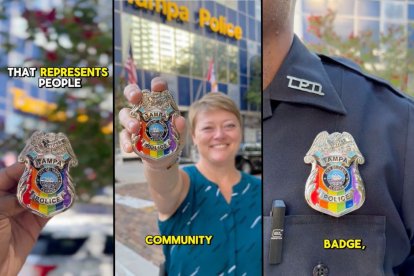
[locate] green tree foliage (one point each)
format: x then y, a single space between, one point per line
78 34
385 56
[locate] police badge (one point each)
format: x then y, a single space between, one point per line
157 136
45 187
334 186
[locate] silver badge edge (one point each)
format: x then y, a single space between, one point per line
311 159
34 145
164 100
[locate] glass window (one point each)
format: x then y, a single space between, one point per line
251 8
182 47
410 37
145 42
342 7
233 54
197 51
166 48
221 61
411 12
369 8
231 4
344 27
220 10
393 10
314 6
243 25
370 25
161 48
258 10
252 29
242 5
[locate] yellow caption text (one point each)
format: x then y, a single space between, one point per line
343 244
59 77
179 240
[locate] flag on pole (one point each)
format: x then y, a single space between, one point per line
130 67
211 77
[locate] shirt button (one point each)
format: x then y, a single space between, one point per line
320 270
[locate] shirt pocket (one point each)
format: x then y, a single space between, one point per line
303 245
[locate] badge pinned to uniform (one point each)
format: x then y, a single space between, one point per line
45 187
157 136
334 186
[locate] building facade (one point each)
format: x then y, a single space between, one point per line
376 17
357 15
23 105
178 40
21 101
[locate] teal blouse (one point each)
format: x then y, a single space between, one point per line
236 227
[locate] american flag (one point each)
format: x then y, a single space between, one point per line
130 68
211 77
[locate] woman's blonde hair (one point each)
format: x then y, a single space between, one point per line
212 101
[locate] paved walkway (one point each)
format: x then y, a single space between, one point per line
135 218
129 263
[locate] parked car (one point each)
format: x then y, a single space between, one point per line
249 158
74 243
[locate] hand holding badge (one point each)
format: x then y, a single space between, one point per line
158 137
45 187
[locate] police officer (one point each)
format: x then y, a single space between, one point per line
339 154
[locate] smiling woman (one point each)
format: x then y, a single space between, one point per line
216 129
210 198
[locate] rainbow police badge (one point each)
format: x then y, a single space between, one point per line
334 186
157 136
45 187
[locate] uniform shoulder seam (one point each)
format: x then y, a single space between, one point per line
352 66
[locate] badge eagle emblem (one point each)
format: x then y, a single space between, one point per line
157 136
334 186
45 187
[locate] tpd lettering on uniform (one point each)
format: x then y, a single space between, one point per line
305 85
334 186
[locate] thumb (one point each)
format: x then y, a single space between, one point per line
9 206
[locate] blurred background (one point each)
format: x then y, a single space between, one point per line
194 60
74 33
378 35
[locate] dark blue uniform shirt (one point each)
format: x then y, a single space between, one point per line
381 120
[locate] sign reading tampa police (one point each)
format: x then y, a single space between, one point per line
172 11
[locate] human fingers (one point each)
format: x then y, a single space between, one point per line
125 137
131 124
9 177
9 206
180 125
133 93
158 84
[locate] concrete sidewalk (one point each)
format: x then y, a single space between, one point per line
129 263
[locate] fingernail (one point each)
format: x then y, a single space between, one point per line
133 94
127 146
131 124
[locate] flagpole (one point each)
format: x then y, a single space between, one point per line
198 96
